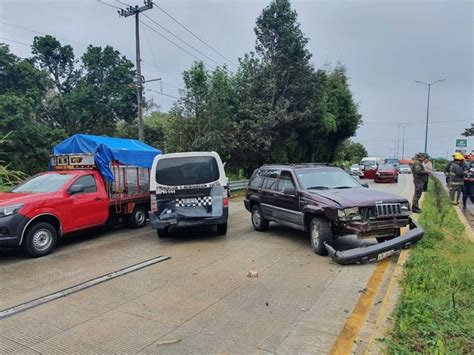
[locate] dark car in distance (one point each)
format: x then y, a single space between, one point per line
328 203
386 173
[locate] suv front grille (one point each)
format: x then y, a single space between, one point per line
388 209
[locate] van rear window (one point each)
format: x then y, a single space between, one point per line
187 171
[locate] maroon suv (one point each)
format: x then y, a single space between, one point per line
329 203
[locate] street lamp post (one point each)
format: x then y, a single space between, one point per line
428 108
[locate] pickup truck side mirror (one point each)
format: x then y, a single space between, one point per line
289 190
76 189
365 185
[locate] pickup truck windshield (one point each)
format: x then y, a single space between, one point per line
323 180
44 183
187 171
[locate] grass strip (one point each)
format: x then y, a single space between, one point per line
435 314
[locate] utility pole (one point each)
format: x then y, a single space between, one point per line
428 108
398 141
129 11
403 142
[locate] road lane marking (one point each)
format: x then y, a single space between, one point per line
79 287
353 326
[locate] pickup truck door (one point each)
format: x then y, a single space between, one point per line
287 206
89 207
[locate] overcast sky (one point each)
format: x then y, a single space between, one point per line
385 46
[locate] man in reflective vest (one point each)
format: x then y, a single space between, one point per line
456 178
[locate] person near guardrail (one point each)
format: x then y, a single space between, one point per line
420 178
428 165
468 190
456 178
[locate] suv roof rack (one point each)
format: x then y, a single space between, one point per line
305 165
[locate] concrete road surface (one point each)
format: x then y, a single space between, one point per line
199 301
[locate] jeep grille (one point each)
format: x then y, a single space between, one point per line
388 209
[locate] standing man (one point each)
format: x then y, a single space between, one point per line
420 178
456 178
428 166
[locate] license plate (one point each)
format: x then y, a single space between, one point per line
384 255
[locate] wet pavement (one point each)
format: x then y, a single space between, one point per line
199 301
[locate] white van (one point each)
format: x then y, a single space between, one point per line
188 189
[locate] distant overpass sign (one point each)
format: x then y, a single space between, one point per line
461 143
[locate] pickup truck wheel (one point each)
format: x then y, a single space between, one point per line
138 217
258 221
320 232
40 239
222 229
383 239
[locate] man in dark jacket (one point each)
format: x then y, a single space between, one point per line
420 178
456 178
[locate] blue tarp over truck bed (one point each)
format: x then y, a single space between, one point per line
107 149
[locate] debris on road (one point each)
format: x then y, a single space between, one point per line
252 273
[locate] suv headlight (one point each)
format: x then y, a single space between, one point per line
405 207
10 210
349 213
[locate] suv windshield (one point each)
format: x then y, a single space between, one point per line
369 163
315 179
187 171
44 183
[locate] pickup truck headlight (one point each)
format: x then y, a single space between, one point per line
10 210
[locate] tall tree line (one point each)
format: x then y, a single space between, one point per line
276 107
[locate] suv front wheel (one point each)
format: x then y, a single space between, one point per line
259 222
320 232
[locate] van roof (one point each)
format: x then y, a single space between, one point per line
188 154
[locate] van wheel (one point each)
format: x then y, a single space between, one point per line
222 229
40 239
258 221
138 217
320 232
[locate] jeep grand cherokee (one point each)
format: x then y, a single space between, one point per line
329 203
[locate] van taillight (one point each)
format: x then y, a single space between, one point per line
226 202
154 207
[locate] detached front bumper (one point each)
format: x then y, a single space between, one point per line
379 251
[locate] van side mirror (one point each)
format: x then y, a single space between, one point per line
365 185
289 190
76 189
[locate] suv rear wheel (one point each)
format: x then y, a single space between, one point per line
258 221
320 232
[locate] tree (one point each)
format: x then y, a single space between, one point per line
23 89
350 151
92 98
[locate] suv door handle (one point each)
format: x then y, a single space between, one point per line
98 198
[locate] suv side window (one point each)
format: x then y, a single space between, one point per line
285 181
257 178
271 178
88 182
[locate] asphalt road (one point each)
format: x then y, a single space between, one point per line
199 301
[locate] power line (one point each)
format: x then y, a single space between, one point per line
12 40
409 123
181 40
162 93
42 33
107 4
175 44
194 35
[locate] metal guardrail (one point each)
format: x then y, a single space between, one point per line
238 185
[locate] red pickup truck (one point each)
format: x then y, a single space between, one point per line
49 205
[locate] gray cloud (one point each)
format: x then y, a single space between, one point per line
385 46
